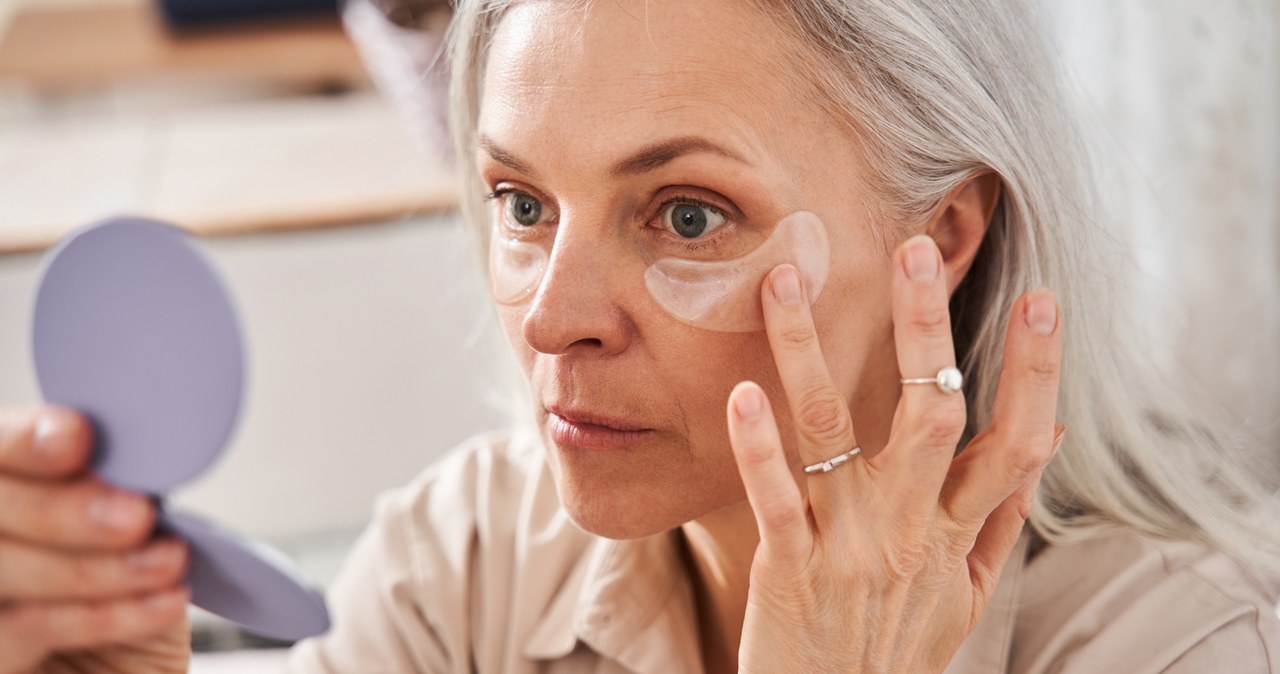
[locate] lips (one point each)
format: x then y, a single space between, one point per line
588 429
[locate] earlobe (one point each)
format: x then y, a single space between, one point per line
960 223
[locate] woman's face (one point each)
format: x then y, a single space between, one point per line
570 94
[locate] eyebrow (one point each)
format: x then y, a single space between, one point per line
648 158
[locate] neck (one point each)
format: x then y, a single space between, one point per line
720 548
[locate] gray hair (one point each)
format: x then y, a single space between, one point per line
936 92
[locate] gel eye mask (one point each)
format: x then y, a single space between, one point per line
515 269
721 295
724 295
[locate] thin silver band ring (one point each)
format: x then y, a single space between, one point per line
831 464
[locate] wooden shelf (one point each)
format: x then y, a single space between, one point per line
208 157
60 48
266 165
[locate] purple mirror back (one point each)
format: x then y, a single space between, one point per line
132 328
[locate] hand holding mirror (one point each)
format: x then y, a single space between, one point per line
132 328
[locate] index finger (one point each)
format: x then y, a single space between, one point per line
43 442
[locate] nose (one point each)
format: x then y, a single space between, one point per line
577 308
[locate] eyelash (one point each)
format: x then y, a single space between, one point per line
692 245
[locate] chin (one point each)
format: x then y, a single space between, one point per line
623 495
622 513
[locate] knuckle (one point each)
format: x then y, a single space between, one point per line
755 457
944 423
824 419
798 338
902 562
957 539
109 529
933 321
1026 458
777 516
960 516
1044 372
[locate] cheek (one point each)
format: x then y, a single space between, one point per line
699 369
853 319
511 317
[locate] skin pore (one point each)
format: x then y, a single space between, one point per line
570 93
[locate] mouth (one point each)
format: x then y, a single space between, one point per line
586 429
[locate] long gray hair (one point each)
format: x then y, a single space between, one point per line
936 92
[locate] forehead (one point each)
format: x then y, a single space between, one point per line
593 74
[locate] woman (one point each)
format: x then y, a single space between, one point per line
771 486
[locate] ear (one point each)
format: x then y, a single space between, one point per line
959 224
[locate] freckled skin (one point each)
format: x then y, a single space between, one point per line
571 92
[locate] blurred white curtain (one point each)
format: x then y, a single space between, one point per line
1185 97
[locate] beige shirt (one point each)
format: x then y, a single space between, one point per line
475 567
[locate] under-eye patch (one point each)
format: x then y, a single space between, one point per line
515 269
720 295
724 295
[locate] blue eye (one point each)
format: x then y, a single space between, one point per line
525 209
691 220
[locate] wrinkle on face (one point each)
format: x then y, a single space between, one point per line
546 60
571 91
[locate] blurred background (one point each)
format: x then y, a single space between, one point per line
304 141
329 215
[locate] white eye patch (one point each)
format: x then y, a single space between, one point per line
515 269
724 295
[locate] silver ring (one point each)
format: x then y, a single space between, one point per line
830 464
948 380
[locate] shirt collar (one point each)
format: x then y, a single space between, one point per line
631 602
989 645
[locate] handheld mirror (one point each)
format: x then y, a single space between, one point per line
132 327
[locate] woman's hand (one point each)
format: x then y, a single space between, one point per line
892 558
83 588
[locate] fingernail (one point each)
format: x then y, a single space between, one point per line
1024 508
921 259
53 432
786 284
1042 313
117 510
1058 436
160 555
748 403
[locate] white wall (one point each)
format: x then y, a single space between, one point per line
1185 95
370 353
